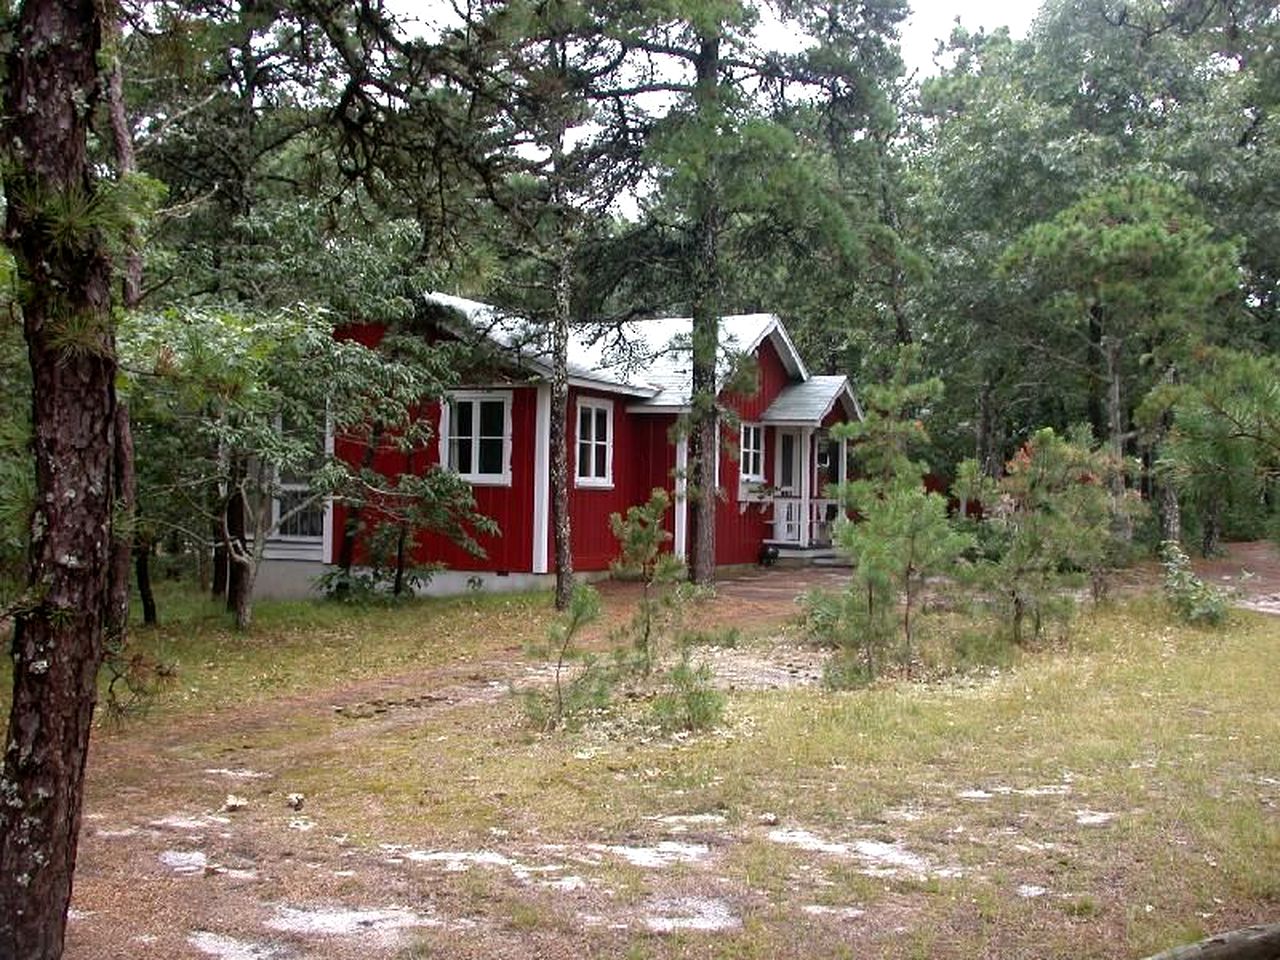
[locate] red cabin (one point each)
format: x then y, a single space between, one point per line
626 394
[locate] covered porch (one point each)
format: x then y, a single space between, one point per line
795 432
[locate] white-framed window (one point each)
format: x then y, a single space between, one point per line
475 436
595 443
293 489
751 452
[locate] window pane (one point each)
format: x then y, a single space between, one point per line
490 457
305 523
460 424
601 469
788 461
584 423
461 455
584 459
602 425
492 418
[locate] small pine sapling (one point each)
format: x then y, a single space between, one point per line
641 537
904 533
591 687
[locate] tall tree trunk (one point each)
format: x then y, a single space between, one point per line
1170 508
233 534
131 295
990 433
402 538
1211 523
122 540
65 295
142 575
704 424
1095 405
1115 431
561 526
351 522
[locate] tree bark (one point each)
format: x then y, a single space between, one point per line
351 523
1261 942
990 435
562 531
124 545
704 420
1115 432
65 295
1211 532
1097 373
234 542
1170 507
142 575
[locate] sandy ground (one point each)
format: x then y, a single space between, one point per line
168 871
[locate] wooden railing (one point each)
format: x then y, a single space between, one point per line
789 520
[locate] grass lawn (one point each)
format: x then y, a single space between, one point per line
1107 797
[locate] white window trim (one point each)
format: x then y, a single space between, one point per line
749 484
594 483
742 452
446 432
280 487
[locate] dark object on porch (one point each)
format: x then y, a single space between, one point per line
768 555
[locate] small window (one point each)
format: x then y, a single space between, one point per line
595 443
477 436
297 513
751 452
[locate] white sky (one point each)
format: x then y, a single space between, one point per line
932 20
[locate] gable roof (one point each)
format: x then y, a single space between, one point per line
811 400
647 359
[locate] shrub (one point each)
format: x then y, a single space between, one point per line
727 637
846 671
690 702
592 687
1193 600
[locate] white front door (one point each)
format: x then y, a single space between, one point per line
787 466
787 463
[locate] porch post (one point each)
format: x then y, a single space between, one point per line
806 483
682 501
842 472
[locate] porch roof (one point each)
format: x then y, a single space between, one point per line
807 403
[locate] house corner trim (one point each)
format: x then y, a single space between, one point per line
682 499
542 480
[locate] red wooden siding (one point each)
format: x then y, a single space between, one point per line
510 506
771 377
740 526
643 458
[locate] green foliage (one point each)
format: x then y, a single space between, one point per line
724 637
1193 600
903 533
590 688
240 401
1223 450
641 537
1053 516
847 670
689 701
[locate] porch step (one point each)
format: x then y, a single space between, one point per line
817 555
